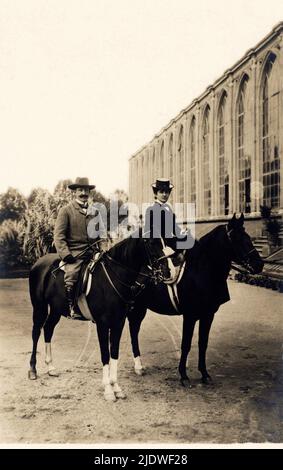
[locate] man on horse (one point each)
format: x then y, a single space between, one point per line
71 237
160 220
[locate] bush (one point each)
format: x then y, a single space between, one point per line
11 241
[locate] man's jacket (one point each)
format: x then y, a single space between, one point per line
70 233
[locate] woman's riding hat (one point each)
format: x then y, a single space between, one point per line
161 184
81 183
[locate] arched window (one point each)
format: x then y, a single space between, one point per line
181 175
206 175
270 134
162 159
244 160
170 158
136 179
192 179
222 159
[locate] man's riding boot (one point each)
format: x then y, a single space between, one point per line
70 299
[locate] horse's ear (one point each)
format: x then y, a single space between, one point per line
241 218
232 221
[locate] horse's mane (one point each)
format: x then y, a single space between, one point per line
122 251
204 252
208 237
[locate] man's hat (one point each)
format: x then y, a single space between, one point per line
81 183
162 183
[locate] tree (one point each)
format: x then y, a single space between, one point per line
40 220
12 205
11 242
62 195
272 227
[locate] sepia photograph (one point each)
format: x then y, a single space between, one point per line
141 226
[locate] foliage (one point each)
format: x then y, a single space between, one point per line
27 227
11 242
12 205
272 226
40 220
259 280
265 212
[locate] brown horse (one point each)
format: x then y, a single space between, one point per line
202 289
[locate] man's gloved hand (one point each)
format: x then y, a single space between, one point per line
69 259
180 257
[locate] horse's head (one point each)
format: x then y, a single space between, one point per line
243 251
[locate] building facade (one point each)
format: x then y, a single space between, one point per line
224 151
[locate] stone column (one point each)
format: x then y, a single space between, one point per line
213 153
186 158
165 138
234 146
258 134
198 149
254 133
280 63
229 133
175 190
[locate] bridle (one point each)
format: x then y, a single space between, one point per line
244 259
107 261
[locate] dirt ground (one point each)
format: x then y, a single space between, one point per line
245 403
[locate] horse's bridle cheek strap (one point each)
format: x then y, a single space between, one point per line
229 238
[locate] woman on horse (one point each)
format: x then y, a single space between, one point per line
160 221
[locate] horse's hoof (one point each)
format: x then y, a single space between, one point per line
207 380
186 383
110 397
32 375
121 395
140 372
53 373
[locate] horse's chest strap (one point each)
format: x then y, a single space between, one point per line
126 301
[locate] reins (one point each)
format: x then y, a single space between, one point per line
111 260
126 301
243 269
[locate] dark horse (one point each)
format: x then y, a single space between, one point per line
201 291
107 303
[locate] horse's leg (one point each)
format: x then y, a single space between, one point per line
48 328
135 319
115 337
39 316
204 329
103 337
188 331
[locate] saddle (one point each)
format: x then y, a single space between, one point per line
174 265
175 268
83 287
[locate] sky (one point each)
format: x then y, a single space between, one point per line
85 83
